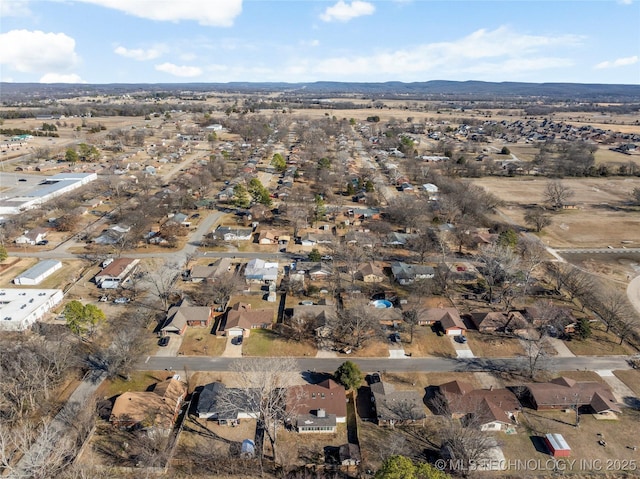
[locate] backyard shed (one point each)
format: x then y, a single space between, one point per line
557 445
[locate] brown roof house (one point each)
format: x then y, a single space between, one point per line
562 393
155 410
179 317
370 273
396 407
241 319
447 318
493 321
489 409
317 408
116 272
200 273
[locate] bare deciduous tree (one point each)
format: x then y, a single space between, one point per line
263 384
557 194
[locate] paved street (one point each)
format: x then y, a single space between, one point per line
406 364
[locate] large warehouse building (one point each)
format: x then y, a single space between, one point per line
21 308
50 188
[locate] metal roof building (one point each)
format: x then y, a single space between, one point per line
20 308
38 272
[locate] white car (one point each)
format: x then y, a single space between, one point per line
121 300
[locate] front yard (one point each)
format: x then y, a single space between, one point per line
198 341
599 344
494 345
427 343
265 342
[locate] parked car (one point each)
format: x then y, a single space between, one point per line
22 179
461 338
121 300
395 337
164 341
43 243
238 340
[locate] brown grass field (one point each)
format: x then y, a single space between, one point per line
600 202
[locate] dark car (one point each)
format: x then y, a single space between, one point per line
22 179
43 243
462 338
238 339
164 341
395 337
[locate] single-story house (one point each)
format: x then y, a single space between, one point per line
312 239
179 219
322 315
398 239
241 319
32 237
489 409
267 238
113 235
155 410
566 393
493 321
179 317
394 407
405 273
116 272
233 233
447 318
360 238
258 270
370 273
317 408
198 273
319 271
226 405
37 273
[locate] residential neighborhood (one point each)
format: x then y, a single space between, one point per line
300 293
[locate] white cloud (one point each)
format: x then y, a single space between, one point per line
343 12
211 13
14 8
506 51
618 62
61 78
179 70
139 53
625 2
35 51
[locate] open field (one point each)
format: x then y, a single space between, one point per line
600 202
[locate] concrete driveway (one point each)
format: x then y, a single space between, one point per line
620 390
462 349
171 349
232 349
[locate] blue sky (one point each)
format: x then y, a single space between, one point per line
175 41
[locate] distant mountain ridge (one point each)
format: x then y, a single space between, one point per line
434 89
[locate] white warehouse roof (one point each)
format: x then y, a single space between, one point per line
20 308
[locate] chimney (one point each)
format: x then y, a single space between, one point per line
321 413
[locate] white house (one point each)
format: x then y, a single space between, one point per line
258 270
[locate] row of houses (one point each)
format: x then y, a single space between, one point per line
319 408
